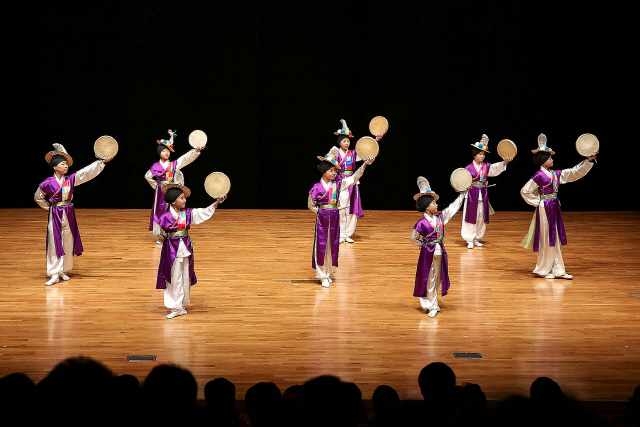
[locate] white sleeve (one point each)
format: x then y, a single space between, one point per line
311 204
348 182
576 172
88 173
187 158
414 238
150 179
40 198
528 193
454 207
198 216
497 168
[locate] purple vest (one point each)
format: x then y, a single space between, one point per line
54 192
473 196
426 259
170 248
160 206
355 202
327 227
551 208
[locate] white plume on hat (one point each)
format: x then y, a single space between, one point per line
344 125
542 140
333 152
484 139
60 148
423 184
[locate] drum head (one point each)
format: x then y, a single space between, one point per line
198 139
506 148
105 147
587 144
217 184
378 126
367 147
461 179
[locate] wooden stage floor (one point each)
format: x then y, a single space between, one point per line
257 314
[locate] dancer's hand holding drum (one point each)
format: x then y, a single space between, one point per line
105 148
217 185
461 180
507 150
198 140
588 146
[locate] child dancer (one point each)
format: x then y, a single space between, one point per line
428 234
475 214
350 203
323 200
547 227
55 194
161 173
176 274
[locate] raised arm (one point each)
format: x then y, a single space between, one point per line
198 216
454 207
88 173
529 193
497 168
40 198
187 158
576 172
348 182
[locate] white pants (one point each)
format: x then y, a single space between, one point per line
430 302
549 257
325 271
63 264
347 223
176 294
471 232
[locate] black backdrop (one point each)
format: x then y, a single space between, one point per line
268 82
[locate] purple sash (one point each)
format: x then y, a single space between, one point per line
473 195
426 259
160 206
54 193
551 208
327 227
170 248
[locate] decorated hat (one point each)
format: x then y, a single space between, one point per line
345 130
59 151
331 157
184 189
425 189
542 145
169 143
483 144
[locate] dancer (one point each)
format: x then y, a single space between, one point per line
547 226
176 274
55 194
428 234
323 200
476 211
350 203
163 172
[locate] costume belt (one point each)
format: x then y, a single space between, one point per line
346 173
178 233
478 183
332 206
65 203
548 196
428 242
165 182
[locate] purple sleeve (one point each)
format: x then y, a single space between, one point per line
156 169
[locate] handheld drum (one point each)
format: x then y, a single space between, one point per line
197 139
378 126
461 179
105 147
217 184
367 147
587 145
506 149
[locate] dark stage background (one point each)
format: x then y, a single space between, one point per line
268 82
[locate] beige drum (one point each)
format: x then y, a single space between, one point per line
587 145
378 126
217 184
198 139
367 147
105 147
507 149
461 179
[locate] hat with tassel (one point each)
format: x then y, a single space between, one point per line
169 143
345 130
542 145
59 151
483 144
425 189
331 157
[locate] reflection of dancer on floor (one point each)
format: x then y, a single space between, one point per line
475 214
546 233
350 202
428 234
176 274
161 173
55 195
323 200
